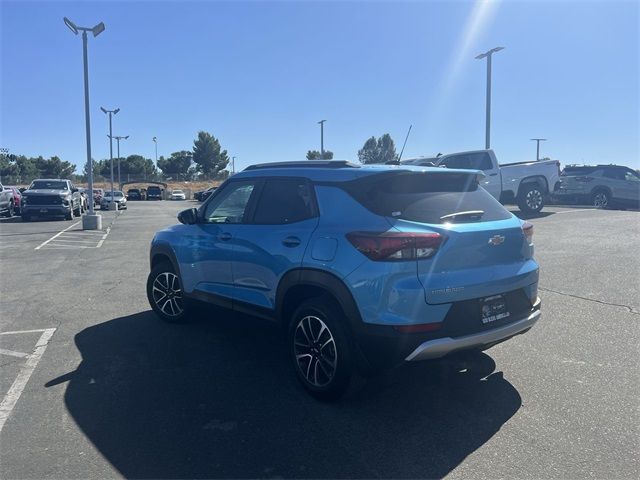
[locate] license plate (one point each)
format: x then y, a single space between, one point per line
43 210
493 309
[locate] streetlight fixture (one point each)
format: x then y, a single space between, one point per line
112 205
488 55
538 140
321 122
118 138
90 221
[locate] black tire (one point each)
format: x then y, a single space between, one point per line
69 215
531 198
78 211
601 199
318 330
10 210
164 292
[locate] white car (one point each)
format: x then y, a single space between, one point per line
118 197
178 195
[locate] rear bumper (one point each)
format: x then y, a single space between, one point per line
440 347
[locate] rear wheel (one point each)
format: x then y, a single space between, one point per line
164 292
10 210
601 199
531 198
320 349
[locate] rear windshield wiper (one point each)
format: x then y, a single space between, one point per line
469 213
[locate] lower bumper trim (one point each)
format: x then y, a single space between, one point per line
440 347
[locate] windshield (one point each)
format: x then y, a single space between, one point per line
48 185
178 191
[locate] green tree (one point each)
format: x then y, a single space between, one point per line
316 155
177 164
208 155
382 150
54 167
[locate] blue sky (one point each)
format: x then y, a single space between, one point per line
259 75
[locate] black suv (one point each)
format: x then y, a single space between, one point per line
154 193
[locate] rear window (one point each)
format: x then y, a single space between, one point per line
571 171
428 198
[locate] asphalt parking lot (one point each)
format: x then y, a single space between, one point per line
106 390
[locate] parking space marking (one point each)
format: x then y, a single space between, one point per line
13 395
56 236
72 239
13 353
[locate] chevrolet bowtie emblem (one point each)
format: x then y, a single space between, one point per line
496 240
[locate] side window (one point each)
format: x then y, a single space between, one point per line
284 201
472 161
613 173
457 161
231 205
631 176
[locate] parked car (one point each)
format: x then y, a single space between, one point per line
178 195
17 197
84 193
134 194
363 266
7 202
201 196
97 196
602 186
154 193
118 197
526 184
51 197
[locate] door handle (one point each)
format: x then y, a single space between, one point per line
291 242
224 236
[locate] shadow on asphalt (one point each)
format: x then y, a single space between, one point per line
218 399
531 216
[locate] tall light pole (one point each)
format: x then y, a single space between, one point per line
112 205
155 140
90 221
538 140
118 138
233 165
321 122
488 55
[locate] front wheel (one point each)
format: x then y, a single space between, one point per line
164 292
69 214
320 349
531 198
601 199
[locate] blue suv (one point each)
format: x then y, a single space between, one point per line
363 266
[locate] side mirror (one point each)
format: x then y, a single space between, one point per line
188 216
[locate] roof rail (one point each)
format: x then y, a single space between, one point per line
306 164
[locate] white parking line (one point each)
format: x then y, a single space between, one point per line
13 353
56 236
11 398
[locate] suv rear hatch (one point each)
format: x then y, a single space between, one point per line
483 249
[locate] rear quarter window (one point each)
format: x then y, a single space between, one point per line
428 197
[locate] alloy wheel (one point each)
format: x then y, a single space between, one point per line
600 200
534 199
315 351
167 294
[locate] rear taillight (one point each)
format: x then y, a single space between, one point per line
527 230
396 246
583 179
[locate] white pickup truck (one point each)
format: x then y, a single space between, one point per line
526 184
